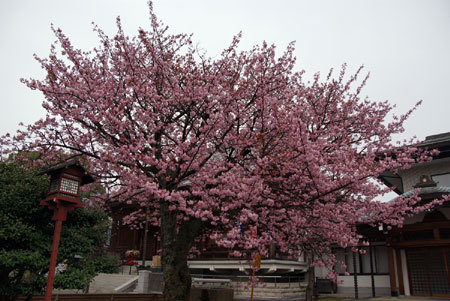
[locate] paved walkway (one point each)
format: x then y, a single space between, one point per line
347 298
384 298
368 297
405 298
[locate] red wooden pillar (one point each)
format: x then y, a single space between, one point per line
53 257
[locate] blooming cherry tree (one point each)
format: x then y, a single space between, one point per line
219 146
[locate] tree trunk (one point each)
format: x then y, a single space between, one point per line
175 249
311 276
177 279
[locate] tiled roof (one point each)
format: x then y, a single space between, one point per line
436 139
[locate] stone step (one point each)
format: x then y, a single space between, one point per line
107 283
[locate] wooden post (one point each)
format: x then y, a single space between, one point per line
144 251
372 278
251 294
256 264
400 272
53 257
355 276
394 291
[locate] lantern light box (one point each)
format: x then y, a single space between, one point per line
65 181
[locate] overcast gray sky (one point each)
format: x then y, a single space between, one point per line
404 44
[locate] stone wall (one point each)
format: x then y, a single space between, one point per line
294 289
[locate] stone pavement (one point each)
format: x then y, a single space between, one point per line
348 298
368 297
404 298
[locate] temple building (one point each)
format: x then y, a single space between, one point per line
412 260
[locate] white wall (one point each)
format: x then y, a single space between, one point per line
382 285
364 281
411 177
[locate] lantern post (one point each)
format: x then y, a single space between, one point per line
62 197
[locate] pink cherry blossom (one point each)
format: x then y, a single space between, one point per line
221 146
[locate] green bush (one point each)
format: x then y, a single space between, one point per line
26 235
80 274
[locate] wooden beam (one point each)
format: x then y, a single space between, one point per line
421 243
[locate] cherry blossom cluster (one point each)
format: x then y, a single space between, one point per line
240 144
